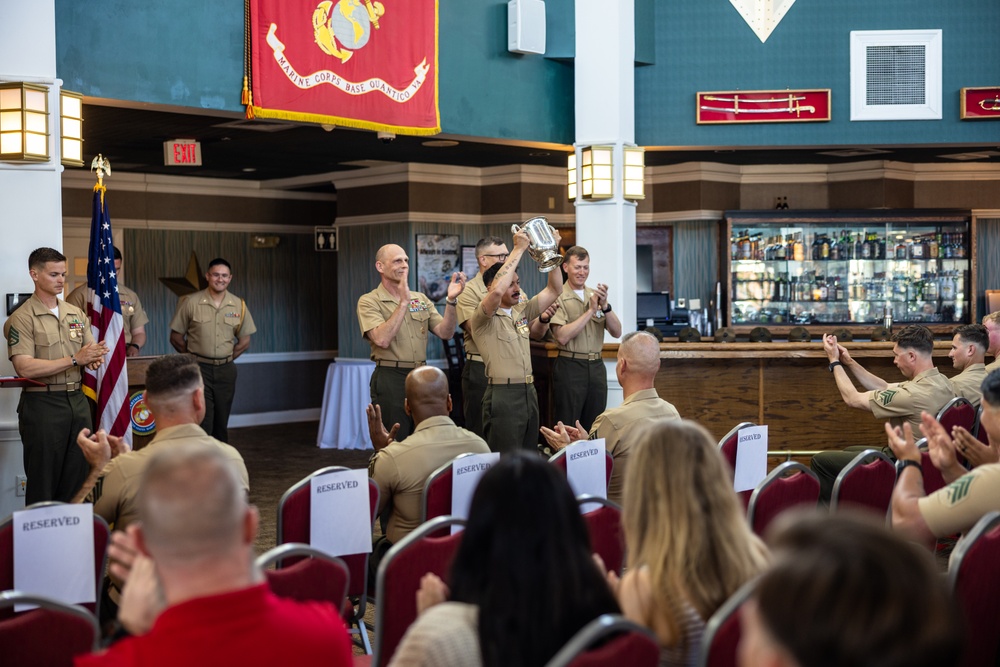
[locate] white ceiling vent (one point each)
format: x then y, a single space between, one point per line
896 75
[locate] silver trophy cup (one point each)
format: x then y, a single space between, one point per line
543 247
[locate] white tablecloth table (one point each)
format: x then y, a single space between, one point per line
342 422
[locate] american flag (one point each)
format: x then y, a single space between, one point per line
108 385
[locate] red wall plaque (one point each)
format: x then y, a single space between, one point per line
980 103
763 106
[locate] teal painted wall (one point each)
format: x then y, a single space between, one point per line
190 53
706 45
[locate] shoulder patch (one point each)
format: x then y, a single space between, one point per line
13 336
959 489
885 397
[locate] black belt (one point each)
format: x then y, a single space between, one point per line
69 386
399 364
525 380
212 361
589 356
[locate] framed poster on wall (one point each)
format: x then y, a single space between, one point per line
470 266
438 256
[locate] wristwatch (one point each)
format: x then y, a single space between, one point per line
73 359
607 309
834 364
902 464
543 320
451 303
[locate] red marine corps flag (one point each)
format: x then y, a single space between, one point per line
370 64
108 385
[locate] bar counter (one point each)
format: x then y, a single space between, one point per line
782 384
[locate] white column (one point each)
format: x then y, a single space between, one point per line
30 199
605 115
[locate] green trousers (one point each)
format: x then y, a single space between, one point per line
220 387
579 390
53 463
388 390
473 390
510 417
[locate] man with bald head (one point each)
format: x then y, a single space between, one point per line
638 363
401 468
395 322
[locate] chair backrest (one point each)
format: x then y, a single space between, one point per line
629 644
728 446
294 514
318 576
49 636
101 535
866 481
789 485
399 576
722 632
559 460
933 479
957 412
604 524
454 351
436 499
975 582
980 432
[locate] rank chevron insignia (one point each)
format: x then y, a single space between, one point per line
763 16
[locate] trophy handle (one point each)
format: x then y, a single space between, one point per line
514 229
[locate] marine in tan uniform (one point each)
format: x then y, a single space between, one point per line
500 329
968 496
992 324
489 251
133 316
215 326
395 322
968 354
48 340
638 363
578 328
175 394
925 390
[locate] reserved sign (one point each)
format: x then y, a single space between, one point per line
465 475
751 457
54 553
340 512
586 468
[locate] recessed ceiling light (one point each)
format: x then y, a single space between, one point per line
439 143
980 155
542 154
249 170
853 152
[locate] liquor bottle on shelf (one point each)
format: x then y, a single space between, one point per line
960 247
932 246
858 247
946 248
866 247
780 251
900 250
824 247
798 248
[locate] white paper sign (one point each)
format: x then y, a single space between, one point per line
54 553
340 514
586 468
751 457
465 475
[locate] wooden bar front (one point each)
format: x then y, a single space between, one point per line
784 385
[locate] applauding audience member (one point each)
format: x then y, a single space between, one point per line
845 591
688 542
523 581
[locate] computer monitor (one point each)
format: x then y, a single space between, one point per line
652 306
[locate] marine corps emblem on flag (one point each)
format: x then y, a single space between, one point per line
357 63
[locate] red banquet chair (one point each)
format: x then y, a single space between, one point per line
317 577
101 535
980 432
604 524
293 526
975 582
722 632
49 636
629 644
865 482
398 581
728 447
436 499
789 485
957 412
933 480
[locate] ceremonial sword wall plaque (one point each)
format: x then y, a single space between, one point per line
762 106
980 103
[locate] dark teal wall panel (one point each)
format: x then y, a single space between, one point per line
707 46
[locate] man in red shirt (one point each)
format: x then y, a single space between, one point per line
193 595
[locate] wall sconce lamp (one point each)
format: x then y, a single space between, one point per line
571 176
24 122
633 177
71 126
597 172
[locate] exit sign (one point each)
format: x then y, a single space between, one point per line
182 153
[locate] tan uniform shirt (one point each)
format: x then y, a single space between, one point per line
401 469
571 307
503 340
968 383
958 506
617 425
34 331
903 402
994 366
468 301
410 343
121 477
133 316
211 332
